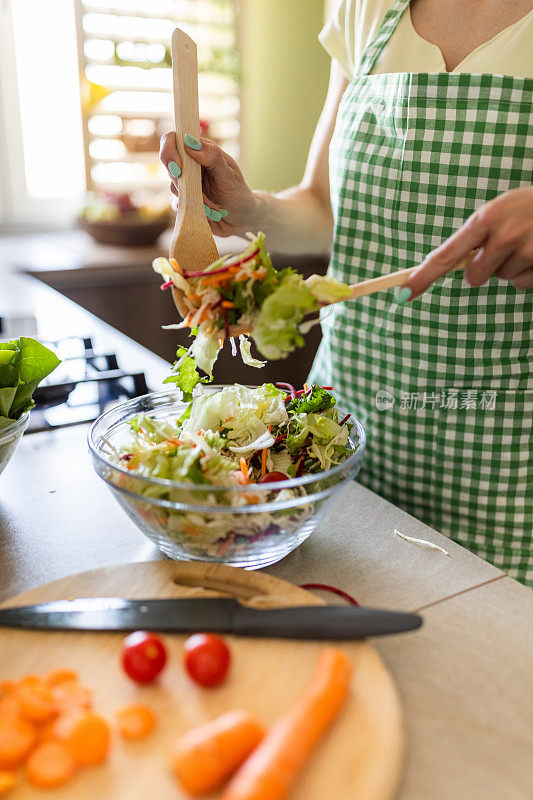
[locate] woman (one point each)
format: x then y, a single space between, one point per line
429 126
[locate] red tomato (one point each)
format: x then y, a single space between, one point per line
143 656
273 477
206 658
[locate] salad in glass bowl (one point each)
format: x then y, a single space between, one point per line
238 475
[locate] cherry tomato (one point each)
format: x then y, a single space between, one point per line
206 658
273 477
143 656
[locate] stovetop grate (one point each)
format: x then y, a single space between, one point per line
82 387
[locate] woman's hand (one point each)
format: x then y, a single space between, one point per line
502 230
231 206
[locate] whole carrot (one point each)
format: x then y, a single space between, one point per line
272 769
205 757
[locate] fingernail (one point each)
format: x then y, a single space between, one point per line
403 295
223 212
216 216
174 169
192 141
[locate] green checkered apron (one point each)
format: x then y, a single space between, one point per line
442 385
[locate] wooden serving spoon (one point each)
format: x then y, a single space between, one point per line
192 243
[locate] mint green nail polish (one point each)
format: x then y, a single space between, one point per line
174 169
207 211
192 141
223 212
216 216
403 295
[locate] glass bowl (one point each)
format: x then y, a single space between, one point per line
245 526
10 437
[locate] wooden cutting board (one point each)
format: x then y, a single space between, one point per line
359 759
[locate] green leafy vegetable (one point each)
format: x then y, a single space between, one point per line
24 363
185 374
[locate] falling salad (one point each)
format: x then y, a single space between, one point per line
243 293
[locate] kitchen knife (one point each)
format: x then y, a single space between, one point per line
221 615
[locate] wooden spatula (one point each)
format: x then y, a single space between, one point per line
398 278
192 243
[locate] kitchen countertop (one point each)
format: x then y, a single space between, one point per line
465 678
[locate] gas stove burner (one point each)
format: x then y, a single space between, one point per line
82 386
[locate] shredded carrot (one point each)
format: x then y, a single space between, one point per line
174 264
174 441
263 461
306 387
204 758
8 781
50 765
274 766
227 304
135 721
298 463
244 470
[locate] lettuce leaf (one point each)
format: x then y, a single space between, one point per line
184 374
275 330
327 289
24 363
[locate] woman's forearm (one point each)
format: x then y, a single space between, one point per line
296 220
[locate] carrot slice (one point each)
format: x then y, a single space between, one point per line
61 675
71 695
272 769
135 721
9 706
50 765
205 757
263 461
85 735
16 740
37 703
8 781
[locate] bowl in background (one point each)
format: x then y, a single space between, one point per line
248 526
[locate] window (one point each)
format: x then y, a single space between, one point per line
112 61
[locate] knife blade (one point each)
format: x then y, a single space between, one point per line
220 615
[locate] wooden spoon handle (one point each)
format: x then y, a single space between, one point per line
399 278
192 241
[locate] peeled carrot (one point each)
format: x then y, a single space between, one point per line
274 766
9 706
85 735
8 781
37 702
71 695
16 740
61 675
50 765
135 721
205 757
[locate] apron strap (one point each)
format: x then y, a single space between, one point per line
386 29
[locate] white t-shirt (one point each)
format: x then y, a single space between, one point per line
354 24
